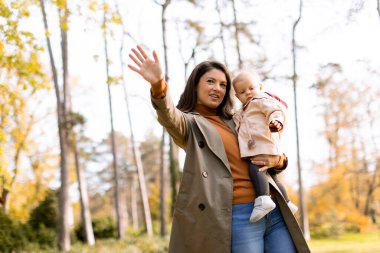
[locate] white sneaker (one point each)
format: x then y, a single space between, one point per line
292 207
263 205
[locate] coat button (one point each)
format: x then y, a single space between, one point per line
204 174
201 144
201 206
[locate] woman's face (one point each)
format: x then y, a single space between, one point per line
212 88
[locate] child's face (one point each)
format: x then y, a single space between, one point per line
246 88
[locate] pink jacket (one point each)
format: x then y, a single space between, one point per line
252 125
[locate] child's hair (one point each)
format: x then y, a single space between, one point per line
245 73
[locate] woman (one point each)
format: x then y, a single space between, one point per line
216 196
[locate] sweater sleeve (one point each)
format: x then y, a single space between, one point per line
159 89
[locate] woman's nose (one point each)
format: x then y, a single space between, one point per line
216 86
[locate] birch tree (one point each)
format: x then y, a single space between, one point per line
78 120
118 209
303 210
173 149
62 110
135 148
236 34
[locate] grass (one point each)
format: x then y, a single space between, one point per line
132 244
348 243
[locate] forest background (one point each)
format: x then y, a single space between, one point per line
82 156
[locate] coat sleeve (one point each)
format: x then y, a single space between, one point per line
273 111
172 119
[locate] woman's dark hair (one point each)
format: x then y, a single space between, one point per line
188 99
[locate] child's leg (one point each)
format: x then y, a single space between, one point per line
280 186
263 202
259 180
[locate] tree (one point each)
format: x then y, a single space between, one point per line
77 119
173 149
221 31
64 201
63 100
236 35
21 77
303 210
349 130
118 208
134 147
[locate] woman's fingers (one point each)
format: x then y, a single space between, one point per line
135 60
144 55
138 55
134 69
155 57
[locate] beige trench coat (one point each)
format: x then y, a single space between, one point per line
203 211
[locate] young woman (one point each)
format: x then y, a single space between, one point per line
216 195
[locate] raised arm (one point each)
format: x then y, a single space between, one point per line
167 114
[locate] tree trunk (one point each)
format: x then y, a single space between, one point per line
221 32
119 220
236 35
143 191
135 217
4 197
136 154
162 186
172 162
64 200
63 226
84 203
303 207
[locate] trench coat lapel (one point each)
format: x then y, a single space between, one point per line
231 124
213 140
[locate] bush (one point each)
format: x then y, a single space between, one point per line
356 222
327 229
103 228
43 221
46 213
12 234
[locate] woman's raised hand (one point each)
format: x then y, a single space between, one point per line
149 69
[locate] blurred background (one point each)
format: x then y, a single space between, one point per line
85 166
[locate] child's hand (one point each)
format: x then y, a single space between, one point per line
275 126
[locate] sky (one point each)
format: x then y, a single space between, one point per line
325 34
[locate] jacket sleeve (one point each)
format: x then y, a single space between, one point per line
273 111
172 119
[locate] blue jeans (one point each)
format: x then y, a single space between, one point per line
270 234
